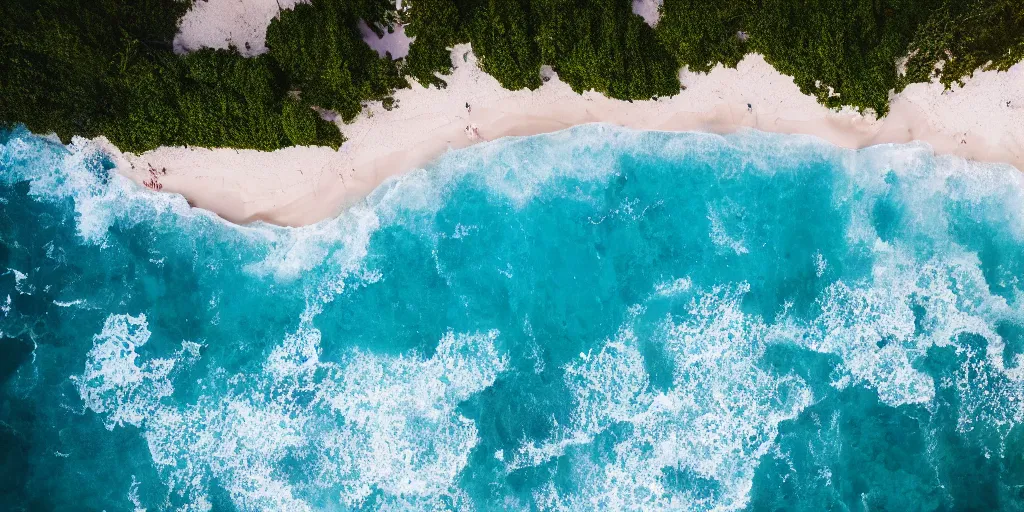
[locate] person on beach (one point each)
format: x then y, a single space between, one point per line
473 133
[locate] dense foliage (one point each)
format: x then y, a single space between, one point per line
592 44
601 45
320 50
210 98
703 33
90 67
845 52
842 51
504 35
964 35
57 57
437 25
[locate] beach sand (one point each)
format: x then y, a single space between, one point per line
229 23
983 120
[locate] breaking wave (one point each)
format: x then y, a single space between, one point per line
593 319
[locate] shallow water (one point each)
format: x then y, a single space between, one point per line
597 318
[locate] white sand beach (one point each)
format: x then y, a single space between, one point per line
983 120
226 23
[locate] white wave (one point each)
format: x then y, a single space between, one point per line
114 382
820 264
341 242
719 233
19 280
719 417
927 184
513 170
82 172
676 287
405 436
133 495
989 396
363 424
461 231
608 385
884 325
372 423
882 328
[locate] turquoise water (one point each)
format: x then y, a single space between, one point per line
593 319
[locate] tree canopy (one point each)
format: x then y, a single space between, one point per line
322 54
106 67
844 52
92 67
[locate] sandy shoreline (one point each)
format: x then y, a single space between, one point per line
984 120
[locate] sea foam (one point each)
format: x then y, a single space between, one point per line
594 319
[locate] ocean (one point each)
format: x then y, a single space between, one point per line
595 319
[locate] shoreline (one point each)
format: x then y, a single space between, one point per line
983 121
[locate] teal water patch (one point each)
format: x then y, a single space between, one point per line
592 319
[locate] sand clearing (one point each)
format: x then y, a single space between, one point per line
648 10
984 120
395 43
225 23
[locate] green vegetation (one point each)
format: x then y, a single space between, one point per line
965 35
105 67
321 52
504 35
703 33
437 25
57 57
852 46
601 45
844 52
592 44
208 98
92 67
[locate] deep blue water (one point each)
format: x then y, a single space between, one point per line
593 319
